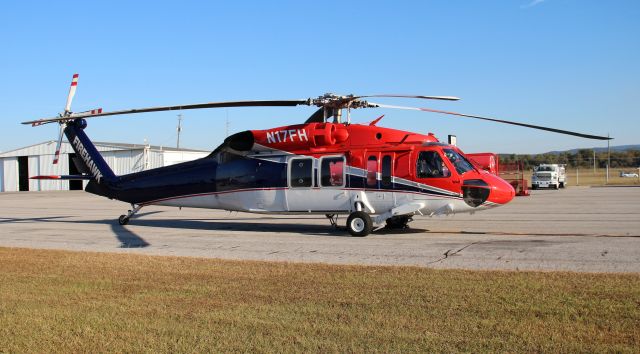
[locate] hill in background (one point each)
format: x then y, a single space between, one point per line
600 149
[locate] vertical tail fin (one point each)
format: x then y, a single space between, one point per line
84 148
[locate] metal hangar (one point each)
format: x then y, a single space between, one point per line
16 166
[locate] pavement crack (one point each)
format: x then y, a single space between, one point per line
448 252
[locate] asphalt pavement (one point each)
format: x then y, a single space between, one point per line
575 229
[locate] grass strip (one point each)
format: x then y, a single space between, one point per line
60 301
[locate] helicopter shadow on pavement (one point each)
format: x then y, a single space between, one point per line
249 225
127 238
244 225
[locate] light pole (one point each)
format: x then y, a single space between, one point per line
179 130
608 157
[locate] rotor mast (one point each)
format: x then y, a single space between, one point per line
333 105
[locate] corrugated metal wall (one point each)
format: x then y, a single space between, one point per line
49 147
174 157
121 162
48 168
155 158
124 162
34 170
10 174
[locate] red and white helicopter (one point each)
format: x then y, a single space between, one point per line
326 165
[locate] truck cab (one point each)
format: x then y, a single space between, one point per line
548 176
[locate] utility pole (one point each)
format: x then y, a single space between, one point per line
608 158
594 162
179 129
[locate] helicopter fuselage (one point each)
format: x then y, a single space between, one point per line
321 168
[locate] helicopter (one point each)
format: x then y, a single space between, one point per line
378 177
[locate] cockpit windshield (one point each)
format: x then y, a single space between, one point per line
458 161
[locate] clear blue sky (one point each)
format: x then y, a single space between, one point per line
568 64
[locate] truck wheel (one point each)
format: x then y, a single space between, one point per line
359 224
534 186
555 186
561 184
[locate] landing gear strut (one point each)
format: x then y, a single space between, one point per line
124 219
333 219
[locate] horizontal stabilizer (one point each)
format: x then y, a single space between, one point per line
63 177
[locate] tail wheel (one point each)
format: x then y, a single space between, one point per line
359 224
123 220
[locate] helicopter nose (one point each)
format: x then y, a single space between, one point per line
490 188
501 191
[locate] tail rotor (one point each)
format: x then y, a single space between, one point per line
68 115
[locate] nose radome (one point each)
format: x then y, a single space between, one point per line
501 191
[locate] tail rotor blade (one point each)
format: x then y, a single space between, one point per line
58 145
560 131
72 92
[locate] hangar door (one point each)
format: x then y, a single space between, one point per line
23 173
74 185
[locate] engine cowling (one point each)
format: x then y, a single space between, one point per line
301 136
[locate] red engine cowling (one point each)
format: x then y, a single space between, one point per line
302 136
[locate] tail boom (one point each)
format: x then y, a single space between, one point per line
84 148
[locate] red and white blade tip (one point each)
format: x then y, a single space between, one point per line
72 92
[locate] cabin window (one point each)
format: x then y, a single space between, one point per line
301 172
332 171
372 170
386 171
458 161
430 165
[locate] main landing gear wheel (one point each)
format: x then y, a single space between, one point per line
398 222
359 224
123 220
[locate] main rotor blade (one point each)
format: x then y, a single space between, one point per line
446 98
266 103
567 132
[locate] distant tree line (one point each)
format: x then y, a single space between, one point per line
581 158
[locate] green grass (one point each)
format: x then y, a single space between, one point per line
57 301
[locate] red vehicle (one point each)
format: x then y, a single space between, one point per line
487 161
326 165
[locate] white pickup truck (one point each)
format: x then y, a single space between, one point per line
548 176
628 174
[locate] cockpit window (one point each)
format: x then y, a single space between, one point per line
458 161
430 165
